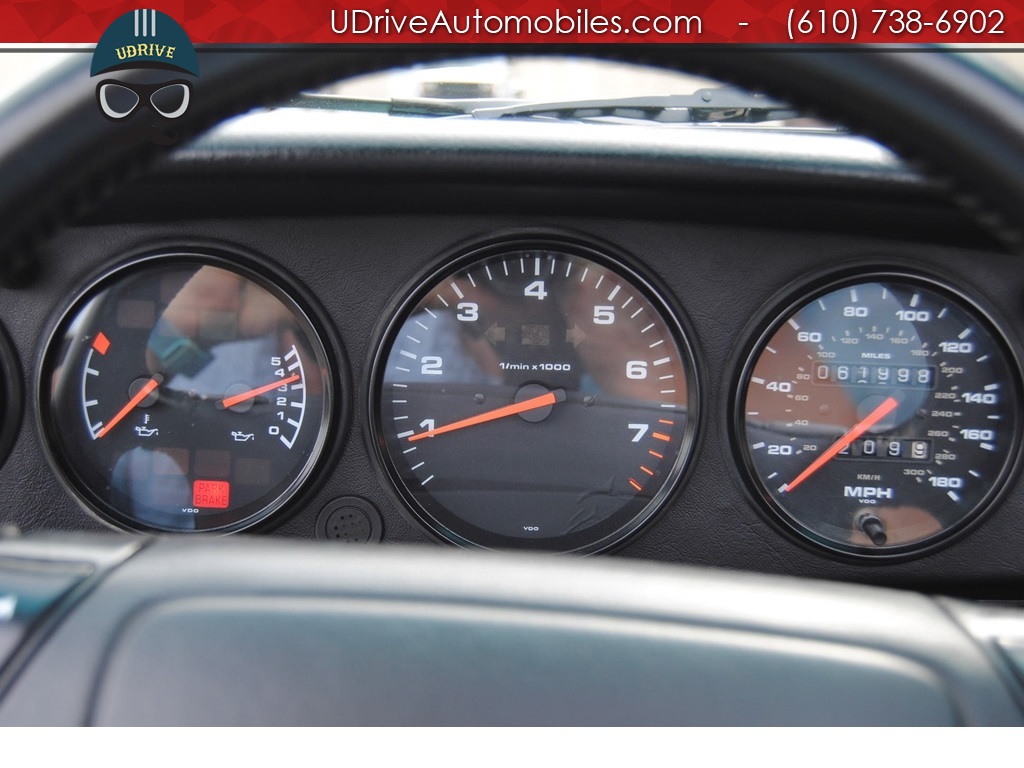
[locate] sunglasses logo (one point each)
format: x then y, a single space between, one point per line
118 100
137 57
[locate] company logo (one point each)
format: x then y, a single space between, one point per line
151 55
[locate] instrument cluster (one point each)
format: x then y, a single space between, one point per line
532 392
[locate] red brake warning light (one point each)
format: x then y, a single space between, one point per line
212 494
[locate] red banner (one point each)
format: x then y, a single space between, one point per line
978 22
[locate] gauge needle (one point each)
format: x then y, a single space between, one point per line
141 395
227 402
541 401
861 427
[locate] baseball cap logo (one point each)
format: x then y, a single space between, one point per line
140 44
144 38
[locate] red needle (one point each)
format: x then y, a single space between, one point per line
141 395
533 403
227 402
862 426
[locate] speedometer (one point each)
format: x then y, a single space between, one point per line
878 415
537 394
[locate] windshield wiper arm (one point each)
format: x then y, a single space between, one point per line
708 105
423 107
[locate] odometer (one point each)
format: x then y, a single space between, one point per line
535 395
878 415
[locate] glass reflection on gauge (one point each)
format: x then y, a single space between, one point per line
879 415
535 395
186 393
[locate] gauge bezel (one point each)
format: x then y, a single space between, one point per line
772 315
269 275
11 396
462 256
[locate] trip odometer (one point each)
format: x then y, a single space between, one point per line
535 394
879 414
186 393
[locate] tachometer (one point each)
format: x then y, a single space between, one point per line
536 394
879 415
186 393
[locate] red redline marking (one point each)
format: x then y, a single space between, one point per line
660 436
645 469
101 343
655 453
666 421
635 484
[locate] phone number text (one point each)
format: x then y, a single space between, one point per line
886 23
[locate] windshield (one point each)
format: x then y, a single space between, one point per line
535 88
551 88
530 78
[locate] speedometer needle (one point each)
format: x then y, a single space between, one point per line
555 396
141 395
227 402
859 429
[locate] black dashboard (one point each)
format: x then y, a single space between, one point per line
847 328
728 224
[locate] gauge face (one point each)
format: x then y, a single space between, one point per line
878 416
537 396
186 394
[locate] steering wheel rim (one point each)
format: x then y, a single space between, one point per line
954 121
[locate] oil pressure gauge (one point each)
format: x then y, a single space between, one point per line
186 393
879 414
535 394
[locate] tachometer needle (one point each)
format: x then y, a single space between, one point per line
141 395
887 406
227 402
541 401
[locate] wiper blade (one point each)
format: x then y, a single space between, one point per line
708 105
407 107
